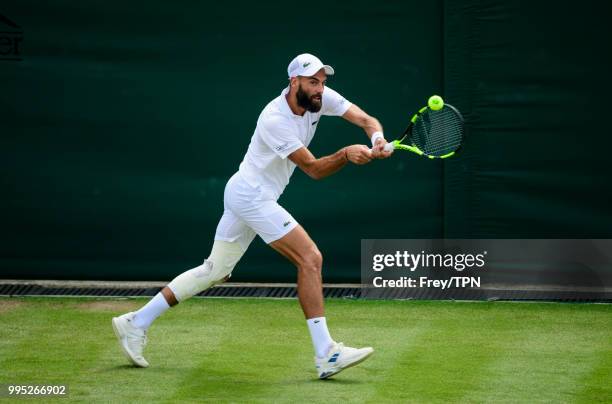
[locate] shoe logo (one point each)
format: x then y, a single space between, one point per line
316 321
285 225
334 357
314 123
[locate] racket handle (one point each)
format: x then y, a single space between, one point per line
389 147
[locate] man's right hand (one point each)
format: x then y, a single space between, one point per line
358 154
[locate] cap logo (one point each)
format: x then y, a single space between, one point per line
305 65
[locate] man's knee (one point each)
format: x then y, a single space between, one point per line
217 268
312 261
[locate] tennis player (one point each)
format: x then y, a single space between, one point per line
279 144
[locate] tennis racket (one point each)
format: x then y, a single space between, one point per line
433 134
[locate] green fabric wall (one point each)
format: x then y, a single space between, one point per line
123 121
531 78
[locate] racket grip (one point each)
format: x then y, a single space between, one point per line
389 147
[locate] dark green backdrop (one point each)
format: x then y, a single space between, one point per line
123 121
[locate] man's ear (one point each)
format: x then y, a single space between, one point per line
293 83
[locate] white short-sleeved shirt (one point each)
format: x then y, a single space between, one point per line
279 132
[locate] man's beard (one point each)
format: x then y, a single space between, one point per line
306 102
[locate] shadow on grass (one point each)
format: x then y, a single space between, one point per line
339 381
152 371
120 367
212 377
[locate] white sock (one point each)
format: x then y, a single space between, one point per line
150 311
321 340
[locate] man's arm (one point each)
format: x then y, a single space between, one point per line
318 168
357 116
370 125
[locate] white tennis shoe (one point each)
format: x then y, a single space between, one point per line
340 357
132 339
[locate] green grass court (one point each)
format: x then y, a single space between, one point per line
258 350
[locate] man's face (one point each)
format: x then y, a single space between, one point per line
310 91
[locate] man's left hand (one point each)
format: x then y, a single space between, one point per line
378 150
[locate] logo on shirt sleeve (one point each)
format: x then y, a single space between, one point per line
281 147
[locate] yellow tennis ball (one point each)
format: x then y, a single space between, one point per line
435 102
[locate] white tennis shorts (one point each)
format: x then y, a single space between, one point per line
249 211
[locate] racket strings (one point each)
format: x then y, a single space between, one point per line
437 133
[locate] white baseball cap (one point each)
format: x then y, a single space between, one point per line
307 65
